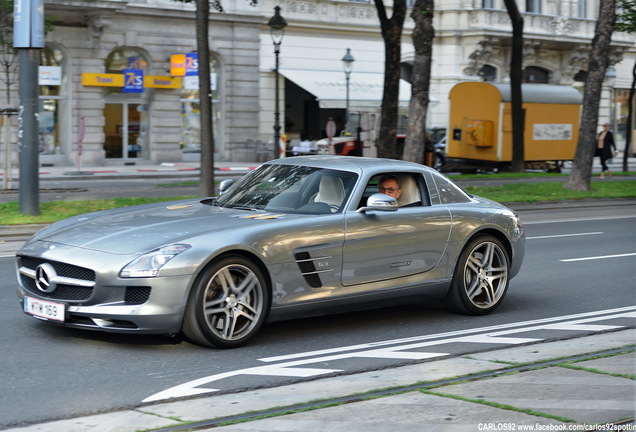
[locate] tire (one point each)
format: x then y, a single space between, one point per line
481 277
228 304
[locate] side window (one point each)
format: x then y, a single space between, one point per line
405 187
449 193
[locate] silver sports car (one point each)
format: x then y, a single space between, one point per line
296 237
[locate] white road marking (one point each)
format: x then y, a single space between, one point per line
563 235
598 257
444 335
372 350
582 219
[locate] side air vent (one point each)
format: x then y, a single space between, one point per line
308 269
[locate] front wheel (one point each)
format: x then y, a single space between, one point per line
228 304
481 277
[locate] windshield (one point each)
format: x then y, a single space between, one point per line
291 189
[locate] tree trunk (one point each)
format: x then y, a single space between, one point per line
516 97
630 116
579 178
206 180
423 35
392 35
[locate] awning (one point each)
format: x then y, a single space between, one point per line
330 88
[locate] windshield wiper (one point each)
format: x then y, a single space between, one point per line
211 201
240 207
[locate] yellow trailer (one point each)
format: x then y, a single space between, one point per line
480 124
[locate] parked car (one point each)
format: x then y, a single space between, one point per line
437 135
296 237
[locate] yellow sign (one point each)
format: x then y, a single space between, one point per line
178 65
162 82
117 80
103 80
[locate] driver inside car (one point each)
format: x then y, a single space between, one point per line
390 185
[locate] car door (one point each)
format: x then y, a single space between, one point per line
383 245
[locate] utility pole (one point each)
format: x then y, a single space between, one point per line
28 38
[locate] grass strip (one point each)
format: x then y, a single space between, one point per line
508 193
553 191
500 406
57 210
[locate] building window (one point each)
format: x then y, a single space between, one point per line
191 113
488 4
533 74
582 8
53 102
126 113
533 6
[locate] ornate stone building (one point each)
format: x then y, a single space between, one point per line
93 47
472 43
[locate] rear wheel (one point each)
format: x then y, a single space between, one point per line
228 304
481 277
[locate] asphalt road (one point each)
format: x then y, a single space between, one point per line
578 261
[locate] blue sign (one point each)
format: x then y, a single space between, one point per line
28 24
192 64
133 81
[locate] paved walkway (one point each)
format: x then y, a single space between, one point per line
147 168
592 393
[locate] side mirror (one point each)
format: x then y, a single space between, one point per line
225 185
379 202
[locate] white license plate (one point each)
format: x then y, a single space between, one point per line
44 309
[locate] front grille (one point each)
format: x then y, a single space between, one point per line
136 295
63 291
62 269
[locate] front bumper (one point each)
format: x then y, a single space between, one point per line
103 301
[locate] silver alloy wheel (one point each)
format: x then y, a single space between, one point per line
233 302
486 274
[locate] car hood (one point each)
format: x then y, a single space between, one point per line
143 228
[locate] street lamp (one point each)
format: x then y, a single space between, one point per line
277 26
347 63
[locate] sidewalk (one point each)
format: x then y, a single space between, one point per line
148 168
139 169
567 395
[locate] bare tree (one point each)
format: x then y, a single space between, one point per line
579 178
423 35
392 35
206 179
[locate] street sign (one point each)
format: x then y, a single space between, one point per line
28 24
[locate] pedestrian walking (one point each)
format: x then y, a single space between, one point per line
605 149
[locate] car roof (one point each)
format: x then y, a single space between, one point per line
350 163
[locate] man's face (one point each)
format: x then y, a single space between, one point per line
391 188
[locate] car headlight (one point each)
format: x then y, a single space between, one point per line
148 265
